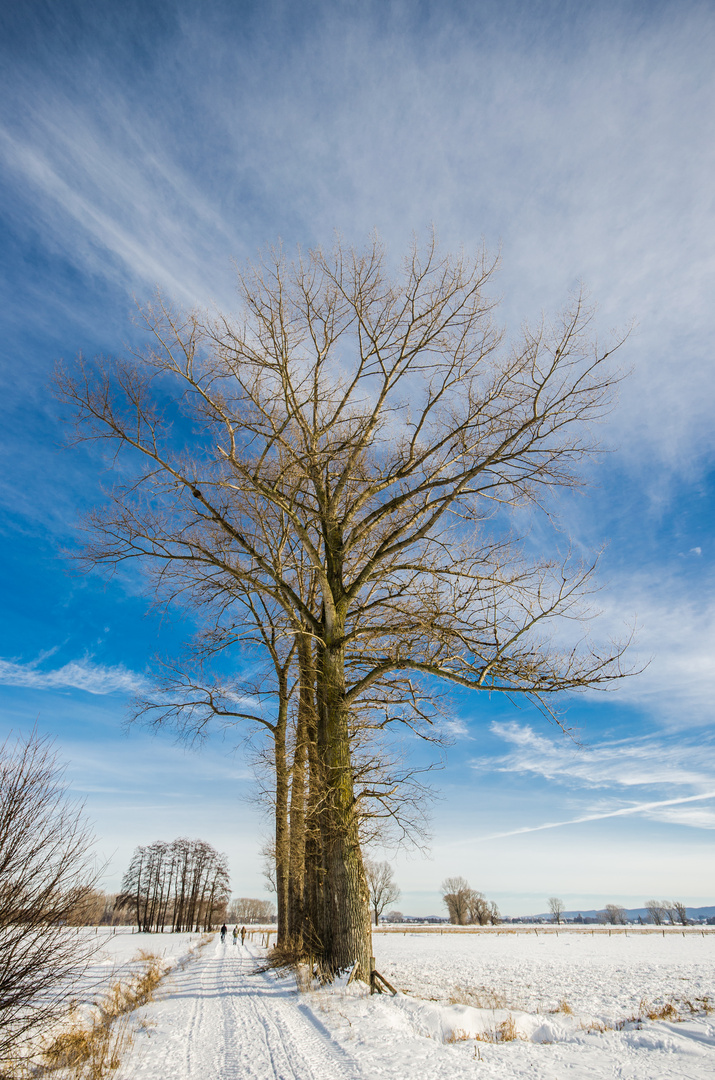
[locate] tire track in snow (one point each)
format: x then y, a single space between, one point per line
264 1035
230 1023
194 1026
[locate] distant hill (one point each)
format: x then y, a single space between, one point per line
632 914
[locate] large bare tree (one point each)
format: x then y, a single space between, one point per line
382 417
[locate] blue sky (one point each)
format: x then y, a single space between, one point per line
154 144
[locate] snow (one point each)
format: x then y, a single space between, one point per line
117 954
576 1003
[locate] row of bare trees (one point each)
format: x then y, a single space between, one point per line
667 911
467 906
182 885
327 482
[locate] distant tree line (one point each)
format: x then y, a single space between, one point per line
659 912
98 908
182 886
247 909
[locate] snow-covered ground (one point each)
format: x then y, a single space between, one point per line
577 1004
601 977
118 948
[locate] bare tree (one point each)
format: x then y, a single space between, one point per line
557 908
670 912
614 914
681 912
482 911
456 894
46 877
656 911
384 889
381 419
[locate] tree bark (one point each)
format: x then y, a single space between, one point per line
347 931
296 881
313 896
282 831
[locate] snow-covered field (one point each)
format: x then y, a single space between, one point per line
117 948
602 978
575 1005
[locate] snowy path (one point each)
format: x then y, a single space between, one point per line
218 1020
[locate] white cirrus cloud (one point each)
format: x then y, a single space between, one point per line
588 152
673 646
76 675
646 761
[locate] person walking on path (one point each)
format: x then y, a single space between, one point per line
235 934
224 931
243 934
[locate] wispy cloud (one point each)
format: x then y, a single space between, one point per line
645 761
569 151
669 776
648 808
674 643
75 675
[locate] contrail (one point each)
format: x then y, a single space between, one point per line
589 817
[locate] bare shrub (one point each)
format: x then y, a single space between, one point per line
46 874
563 1007
507 1031
479 997
666 1011
457 1035
87 1052
596 1027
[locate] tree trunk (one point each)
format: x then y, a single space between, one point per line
282 834
296 877
313 902
347 930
